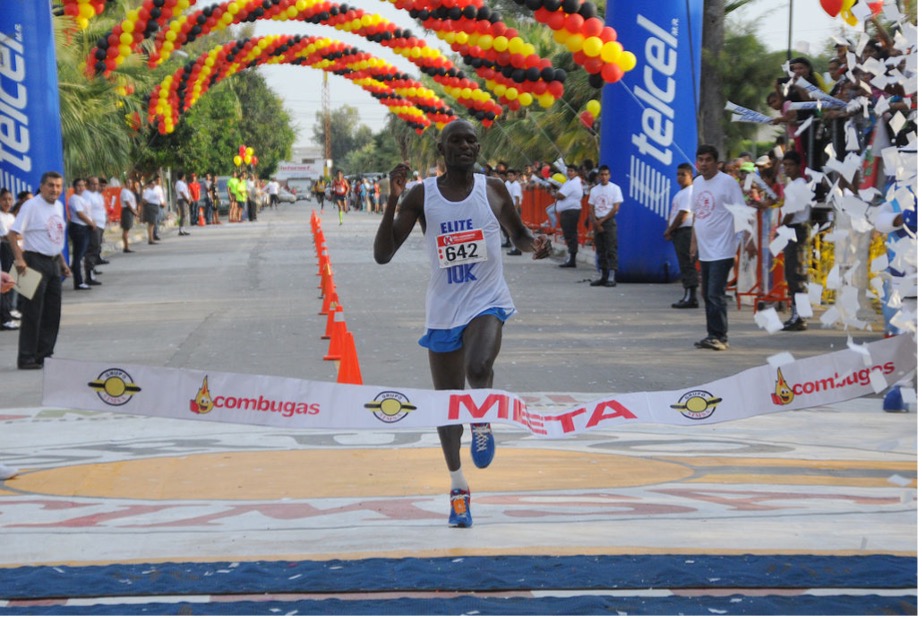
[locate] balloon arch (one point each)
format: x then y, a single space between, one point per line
507 63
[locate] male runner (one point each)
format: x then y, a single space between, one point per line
467 300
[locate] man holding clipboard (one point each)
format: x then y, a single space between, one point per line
40 225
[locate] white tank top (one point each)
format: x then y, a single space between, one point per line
460 292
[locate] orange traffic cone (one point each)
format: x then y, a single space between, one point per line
349 371
201 216
335 351
323 265
331 320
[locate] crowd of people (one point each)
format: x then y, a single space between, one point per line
36 229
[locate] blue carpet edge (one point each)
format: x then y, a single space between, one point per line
491 573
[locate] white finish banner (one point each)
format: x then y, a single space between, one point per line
304 404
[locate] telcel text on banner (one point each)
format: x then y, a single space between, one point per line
649 126
30 112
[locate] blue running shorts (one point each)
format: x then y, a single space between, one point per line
448 340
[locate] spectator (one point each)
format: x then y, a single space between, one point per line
129 198
715 241
604 201
183 202
569 207
797 217
679 231
8 320
40 224
151 205
80 229
97 211
515 191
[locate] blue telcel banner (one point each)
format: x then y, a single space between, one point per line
649 126
30 114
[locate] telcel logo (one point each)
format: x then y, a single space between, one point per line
14 124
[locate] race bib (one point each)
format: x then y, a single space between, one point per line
465 247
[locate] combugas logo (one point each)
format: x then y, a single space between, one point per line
390 406
783 394
202 404
698 404
114 387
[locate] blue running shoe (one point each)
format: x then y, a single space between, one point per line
460 515
482 445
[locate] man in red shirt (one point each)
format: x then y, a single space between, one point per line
195 189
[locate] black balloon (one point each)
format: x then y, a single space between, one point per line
570 6
587 10
532 74
595 80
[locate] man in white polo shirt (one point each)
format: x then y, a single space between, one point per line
716 240
40 225
569 206
604 202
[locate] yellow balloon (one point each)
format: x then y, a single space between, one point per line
561 36
574 42
247 159
560 178
546 100
627 61
500 43
461 38
248 151
485 41
526 99
592 46
511 94
516 45
611 51
594 107
237 160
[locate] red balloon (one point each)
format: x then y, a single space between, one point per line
611 73
587 119
556 89
833 7
592 27
579 57
556 19
593 65
498 28
574 23
608 34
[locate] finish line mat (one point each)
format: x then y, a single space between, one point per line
640 584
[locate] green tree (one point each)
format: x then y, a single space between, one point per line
748 73
378 155
346 133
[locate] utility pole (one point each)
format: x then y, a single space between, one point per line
327 147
